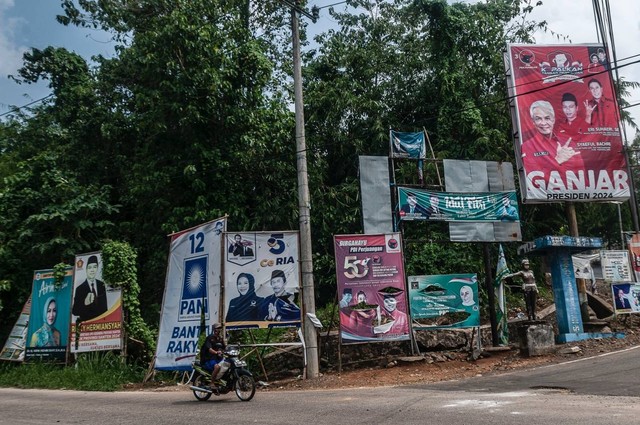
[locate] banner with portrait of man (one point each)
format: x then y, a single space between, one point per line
568 143
191 301
48 332
261 280
371 286
96 312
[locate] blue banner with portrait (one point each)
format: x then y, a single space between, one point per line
407 145
444 301
48 332
419 204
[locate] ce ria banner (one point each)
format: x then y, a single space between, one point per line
569 146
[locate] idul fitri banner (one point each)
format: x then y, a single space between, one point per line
570 148
261 280
191 294
418 204
444 301
96 313
48 332
626 297
371 284
15 344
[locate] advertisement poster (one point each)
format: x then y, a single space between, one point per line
569 146
48 332
407 145
444 301
96 311
191 294
615 266
13 349
626 297
634 253
261 280
371 286
418 204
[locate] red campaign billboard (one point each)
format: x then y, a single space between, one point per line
371 285
569 146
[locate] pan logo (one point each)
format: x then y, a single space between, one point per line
194 300
276 244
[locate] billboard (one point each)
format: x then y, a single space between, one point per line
261 280
569 146
13 349
615 266
419 204
444 301
370 276
191 294
96 312
626 297
48 331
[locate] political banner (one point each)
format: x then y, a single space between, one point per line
419 204
444 301
15 344
569 146
626 297
615 266
191 294
261 280
407 145
48 332
96 312
371 283
634 255
502 322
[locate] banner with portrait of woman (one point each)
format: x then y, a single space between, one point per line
371 288
568 143
261 280
48 331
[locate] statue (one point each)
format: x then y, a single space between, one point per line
528 286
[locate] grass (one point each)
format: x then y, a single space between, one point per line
91 372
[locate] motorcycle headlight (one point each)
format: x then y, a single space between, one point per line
233 353
240 363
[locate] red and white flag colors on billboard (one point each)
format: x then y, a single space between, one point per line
569 146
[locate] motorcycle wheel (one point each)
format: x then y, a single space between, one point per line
245 387
201 382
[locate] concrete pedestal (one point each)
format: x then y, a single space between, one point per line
535 338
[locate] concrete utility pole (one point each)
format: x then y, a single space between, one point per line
304 206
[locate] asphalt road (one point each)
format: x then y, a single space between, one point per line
599 390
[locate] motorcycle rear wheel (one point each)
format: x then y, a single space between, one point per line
201 382
245 387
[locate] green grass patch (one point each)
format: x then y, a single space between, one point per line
92 372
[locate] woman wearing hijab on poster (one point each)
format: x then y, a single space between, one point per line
244 308
47 335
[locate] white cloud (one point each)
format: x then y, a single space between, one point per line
10 51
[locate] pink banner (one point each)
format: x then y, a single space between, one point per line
569 146
371 287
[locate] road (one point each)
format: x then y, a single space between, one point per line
600 390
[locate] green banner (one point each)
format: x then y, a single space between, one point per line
418 204
444 301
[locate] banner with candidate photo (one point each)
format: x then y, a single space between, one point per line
96 311
419 204
569 146
15 344
444 301
191 294
407 145
261 280
48 330
371 286
626 297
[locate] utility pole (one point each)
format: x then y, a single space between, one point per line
304 206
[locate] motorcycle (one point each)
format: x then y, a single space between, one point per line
233 376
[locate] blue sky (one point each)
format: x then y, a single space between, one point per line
31 23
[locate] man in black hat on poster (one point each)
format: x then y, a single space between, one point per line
279 307
90 299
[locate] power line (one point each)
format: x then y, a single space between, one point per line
15 109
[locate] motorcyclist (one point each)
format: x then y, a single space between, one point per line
212 351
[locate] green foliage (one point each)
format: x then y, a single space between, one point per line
93 372
120 271
59 272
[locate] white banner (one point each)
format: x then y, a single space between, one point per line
615 266
192 292
96 308
261 280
